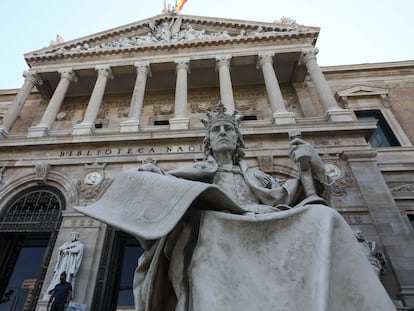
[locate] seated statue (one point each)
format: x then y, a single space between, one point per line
219 235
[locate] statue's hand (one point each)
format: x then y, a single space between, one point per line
299 147
264 179
149 167
303 153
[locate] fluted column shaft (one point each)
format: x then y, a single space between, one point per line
180 120
31 79
104 73
226 90
182 67
321 85
49 116
272 84
137 101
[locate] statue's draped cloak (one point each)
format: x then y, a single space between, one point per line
202 254
67 262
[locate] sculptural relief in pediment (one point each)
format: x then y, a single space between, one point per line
174 29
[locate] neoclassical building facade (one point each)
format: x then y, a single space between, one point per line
95 106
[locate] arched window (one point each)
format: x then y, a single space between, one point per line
28 228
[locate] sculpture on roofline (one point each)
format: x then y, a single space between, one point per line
220 235
59 40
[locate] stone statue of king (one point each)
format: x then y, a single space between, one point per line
219 235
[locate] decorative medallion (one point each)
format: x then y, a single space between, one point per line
93 183
93 178
333 171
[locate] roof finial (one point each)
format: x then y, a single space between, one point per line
168 8
59 39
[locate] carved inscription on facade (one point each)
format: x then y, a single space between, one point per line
129 151
358 219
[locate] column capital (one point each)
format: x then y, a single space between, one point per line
104 70
264 57
33 77
68 74
307 54
143 67
223 59
182 63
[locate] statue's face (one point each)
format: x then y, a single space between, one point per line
73 236
223 137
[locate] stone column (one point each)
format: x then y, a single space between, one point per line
333 111
280 114
87 126
43 128
137 101
31 79
180 120
226 90
386 218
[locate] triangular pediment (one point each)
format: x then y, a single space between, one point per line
171 30
363 91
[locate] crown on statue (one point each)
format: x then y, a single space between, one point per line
221 115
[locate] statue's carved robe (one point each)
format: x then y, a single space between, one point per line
205 253
69 260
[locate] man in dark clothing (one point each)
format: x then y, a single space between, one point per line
61 295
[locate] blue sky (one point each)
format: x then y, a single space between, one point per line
352 31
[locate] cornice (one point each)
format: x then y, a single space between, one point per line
368 66
170 46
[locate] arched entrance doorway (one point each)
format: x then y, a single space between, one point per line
28 228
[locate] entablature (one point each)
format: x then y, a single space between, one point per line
314 129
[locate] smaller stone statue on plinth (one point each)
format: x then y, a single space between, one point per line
69 260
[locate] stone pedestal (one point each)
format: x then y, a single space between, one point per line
83 128
179 123
130 125
340 115
286 117
39 130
